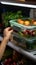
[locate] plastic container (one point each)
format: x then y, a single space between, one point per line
25 35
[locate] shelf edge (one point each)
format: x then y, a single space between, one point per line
18 4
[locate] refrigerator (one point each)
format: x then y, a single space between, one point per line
21 17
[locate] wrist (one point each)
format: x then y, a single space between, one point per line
5 39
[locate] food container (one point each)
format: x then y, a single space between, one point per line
24 32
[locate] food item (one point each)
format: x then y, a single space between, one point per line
25 32
7 16
29 33
34 23
20 21
27 23
32 33
9 62
22 0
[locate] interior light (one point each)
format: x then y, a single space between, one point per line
19 4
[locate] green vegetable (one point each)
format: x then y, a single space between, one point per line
11 16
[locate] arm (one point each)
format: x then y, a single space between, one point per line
7 35
3 46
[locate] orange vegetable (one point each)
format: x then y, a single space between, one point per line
34 23
20 21
27 23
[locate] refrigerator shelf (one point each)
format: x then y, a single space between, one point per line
20 4
27 54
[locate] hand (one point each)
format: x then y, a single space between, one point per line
7 33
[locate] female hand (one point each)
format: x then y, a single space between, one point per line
7 33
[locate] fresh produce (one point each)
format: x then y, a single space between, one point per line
11 16
23 22
9 61
24 32
16 59
34 23
29 33
7 16
33 33
27 23
20 21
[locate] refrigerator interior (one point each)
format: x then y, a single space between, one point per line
21 20
9 13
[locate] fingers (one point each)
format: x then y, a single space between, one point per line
8 29
11 31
